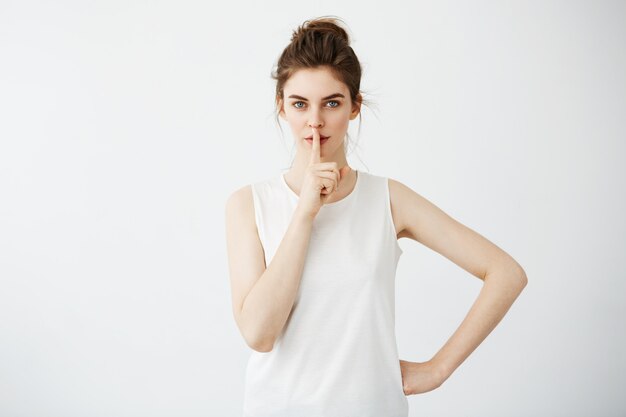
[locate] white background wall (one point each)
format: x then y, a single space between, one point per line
124 127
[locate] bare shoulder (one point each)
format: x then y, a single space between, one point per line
414 212
240 201
240 217
240 206
400 196
417 216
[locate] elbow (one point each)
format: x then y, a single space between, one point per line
264 348
259 342
522 278
261 345
513 274
256 340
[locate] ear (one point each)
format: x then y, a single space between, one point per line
281 108
356 107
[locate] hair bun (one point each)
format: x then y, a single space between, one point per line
322 25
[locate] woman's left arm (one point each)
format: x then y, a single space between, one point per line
502 285
504 279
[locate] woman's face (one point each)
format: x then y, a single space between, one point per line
314 98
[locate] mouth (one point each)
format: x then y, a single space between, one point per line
322 137
323 140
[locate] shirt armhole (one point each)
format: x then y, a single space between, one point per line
392 227
257 214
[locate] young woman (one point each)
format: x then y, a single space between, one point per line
313 255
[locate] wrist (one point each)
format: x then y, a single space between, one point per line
301 215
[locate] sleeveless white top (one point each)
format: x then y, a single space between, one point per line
337 354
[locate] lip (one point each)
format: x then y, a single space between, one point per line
322 141
322 137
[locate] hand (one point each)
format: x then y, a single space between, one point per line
420 377
321 179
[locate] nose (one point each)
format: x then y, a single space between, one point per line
315 120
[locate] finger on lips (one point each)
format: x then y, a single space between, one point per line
315 150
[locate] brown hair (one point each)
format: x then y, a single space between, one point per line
316 43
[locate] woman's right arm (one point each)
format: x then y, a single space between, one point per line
263 297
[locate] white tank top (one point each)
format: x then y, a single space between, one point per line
337 354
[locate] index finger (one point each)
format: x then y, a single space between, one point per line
315 150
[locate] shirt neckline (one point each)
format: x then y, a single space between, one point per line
334 203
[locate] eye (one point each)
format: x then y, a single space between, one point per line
294 104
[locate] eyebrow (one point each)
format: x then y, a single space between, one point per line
325 98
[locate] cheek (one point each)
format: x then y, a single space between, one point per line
339 118
343 121
295 118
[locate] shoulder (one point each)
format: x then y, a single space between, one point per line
398 196
243 199
406 204
395 185
240 203
239 196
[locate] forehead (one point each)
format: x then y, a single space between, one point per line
314 84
